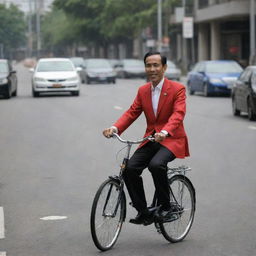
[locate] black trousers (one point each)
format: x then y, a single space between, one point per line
155 157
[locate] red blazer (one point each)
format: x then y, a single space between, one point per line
170 114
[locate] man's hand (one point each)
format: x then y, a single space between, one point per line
159 136
109 132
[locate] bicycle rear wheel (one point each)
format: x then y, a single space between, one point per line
107 214
182 194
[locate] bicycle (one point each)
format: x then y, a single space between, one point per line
109 205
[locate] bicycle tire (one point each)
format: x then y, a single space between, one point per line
105 225
178 228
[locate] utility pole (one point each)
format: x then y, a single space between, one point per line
252 32
159 25
1 51
30 38
38 27
184 42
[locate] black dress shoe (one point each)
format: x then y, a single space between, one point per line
144 218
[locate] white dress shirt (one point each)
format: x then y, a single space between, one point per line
156 92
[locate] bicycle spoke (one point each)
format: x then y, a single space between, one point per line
183 195
107 215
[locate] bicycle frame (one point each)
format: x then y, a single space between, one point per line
170 172
119 178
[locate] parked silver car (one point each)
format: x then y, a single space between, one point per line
55 75
132 68
99 70
79 62
172 72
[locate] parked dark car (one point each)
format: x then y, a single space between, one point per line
212 77
244 93
8 79
79 63
132 68
99 70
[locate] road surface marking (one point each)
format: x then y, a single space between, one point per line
118 108
252 127
2 223
53 218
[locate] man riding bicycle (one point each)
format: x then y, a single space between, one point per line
164 105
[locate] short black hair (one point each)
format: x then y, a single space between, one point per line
163 58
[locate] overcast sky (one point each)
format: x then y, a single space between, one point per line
24 4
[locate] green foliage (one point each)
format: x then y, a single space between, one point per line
58 29
102 21
12 27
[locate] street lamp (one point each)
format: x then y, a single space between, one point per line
159 25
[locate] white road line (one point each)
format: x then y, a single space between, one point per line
118 108
1 223
252 127
53 218
2 253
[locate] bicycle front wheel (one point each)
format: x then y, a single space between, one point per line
182 194
107 214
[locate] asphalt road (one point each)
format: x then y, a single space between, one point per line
53 158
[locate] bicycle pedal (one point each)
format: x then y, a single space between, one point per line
158 228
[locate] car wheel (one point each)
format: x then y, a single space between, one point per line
190 91
35 94
251 113
14 93
75 93
206 90
88 80
236 112
7 94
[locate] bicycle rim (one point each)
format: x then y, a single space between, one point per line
184 194
107 215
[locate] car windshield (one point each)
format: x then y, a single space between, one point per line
77 61
133 63
223 67
53 66
3 67
100 63
170 64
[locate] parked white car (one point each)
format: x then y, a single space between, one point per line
55 75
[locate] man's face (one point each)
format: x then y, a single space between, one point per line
154 69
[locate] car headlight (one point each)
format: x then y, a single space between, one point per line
3 81
216 81
72 79
39 79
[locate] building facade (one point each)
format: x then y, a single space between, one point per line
221 31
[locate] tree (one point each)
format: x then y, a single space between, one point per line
12 27
59 31
102 22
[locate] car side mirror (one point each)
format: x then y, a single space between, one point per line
78 69
31 70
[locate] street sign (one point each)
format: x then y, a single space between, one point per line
187 27
150 43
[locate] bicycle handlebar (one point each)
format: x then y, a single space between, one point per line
151 138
